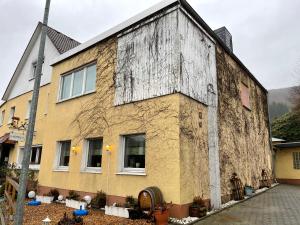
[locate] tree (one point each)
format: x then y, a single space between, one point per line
287 127
277 109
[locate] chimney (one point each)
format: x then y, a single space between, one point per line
225 36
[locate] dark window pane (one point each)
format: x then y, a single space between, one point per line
94 153
36 154
134 151
65 147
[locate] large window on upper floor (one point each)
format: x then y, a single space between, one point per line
78 82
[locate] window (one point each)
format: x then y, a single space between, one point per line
245 96
78 83
133 151
34 66
93 155
11 114
63 156
35 157
28 109
2 117
296 160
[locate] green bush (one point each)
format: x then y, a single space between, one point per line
73 195
99 201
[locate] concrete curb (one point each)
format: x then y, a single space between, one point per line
227 207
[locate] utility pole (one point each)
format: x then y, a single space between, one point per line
30 130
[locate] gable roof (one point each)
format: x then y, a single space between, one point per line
143 16
61 42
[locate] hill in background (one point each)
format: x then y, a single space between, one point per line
280 101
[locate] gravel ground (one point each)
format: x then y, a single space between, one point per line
34 216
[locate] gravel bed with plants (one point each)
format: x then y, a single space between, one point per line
55 211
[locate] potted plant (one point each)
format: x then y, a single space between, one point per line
99 201
67 221
161 213
198 207
72 200
248 190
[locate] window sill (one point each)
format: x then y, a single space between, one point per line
92 170
34 167
61 170
132 173
77 96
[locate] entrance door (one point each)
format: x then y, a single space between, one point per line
4 154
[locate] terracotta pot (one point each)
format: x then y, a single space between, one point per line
161 217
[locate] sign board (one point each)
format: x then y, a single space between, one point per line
19 137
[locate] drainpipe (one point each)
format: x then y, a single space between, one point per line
213 147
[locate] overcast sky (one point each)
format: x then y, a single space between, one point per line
266 34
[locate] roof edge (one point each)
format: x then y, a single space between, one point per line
145 14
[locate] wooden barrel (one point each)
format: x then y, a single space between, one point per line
149 198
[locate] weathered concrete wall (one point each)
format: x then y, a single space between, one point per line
243 133
164 55
197 60
147 64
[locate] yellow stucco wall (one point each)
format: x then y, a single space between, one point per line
194 169
157 118
284 167
21 106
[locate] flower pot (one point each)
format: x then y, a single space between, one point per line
248 190
75 204
44 199
197 211
161 217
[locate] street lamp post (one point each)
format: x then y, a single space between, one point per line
30 130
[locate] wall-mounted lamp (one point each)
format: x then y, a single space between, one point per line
108 148
75 149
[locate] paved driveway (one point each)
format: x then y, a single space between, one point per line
278 206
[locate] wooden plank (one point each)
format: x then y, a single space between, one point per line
13 183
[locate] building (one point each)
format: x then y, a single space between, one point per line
287 162
159 100
14 112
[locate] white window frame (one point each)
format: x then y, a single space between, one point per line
57 167
84 167
2 116
31 166
296 160
28 110
83 92
127 170
11 114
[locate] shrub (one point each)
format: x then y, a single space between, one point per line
130 202
198 201
99 201
54 193
73 195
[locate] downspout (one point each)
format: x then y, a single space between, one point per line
213 146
